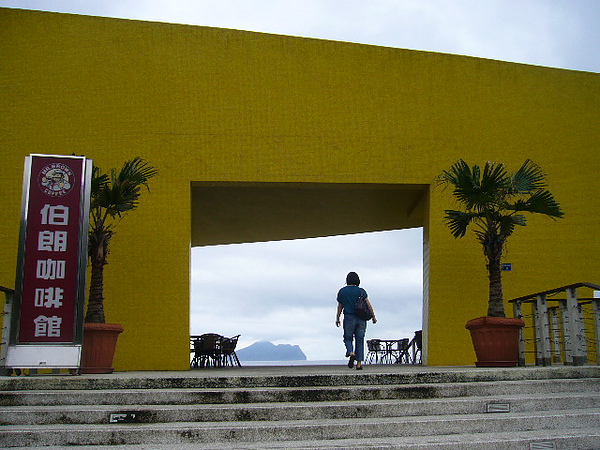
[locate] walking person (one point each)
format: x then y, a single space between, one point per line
354 327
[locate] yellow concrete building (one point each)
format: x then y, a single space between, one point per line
263 137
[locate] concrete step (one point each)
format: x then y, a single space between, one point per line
564 439
294 377
297 430
190 396
309 407
101 414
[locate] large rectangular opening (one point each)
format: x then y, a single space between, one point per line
268 259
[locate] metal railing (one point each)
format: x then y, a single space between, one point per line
560 327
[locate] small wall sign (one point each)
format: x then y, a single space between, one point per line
506 267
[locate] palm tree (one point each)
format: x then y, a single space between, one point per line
112 196
494 202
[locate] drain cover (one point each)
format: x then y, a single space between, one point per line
498 407
542 445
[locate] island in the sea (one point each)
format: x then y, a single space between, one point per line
267 351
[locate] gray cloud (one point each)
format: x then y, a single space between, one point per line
559 33
285 291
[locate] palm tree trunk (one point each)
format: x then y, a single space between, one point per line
496 300
95 310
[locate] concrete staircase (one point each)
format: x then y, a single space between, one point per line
533 408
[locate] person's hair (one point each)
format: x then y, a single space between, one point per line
352 279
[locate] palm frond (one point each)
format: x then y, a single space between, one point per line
528 178
458 222
494 179
494 183
120 192
99 182
464 182
539 202
476 190
450 177
508 223
136 172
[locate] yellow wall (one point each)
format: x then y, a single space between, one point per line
215 105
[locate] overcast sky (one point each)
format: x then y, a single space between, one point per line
285 291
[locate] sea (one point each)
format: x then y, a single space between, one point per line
329 362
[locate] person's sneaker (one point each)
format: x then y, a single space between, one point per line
351 361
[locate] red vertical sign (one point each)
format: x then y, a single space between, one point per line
53 216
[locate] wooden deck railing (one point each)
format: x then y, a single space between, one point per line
560 327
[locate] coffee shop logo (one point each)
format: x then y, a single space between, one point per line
56 179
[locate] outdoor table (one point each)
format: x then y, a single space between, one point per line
394 350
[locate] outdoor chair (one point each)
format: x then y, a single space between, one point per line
416 344
228 351
374 351
401 354
207 351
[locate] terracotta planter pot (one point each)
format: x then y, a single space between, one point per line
496 340
99 345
